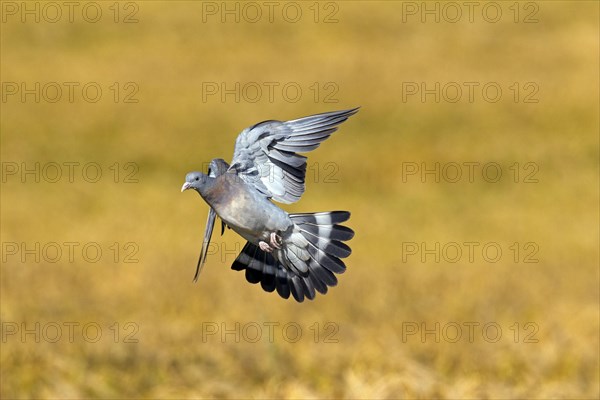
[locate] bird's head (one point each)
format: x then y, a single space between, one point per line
196 181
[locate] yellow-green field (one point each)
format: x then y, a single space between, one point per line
523 323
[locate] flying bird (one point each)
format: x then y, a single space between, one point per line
297 254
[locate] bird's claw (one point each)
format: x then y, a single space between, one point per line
274 243
275 240
264 246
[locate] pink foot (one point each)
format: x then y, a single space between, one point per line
264 246
275 240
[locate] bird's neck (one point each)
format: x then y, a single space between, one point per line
211 191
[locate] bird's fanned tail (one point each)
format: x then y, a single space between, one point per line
308 260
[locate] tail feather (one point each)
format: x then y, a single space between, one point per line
308 261
253 276
297 288
283 284
309 290
318 284
268 283
321 218
293 261
334 232
331 263
332 247
323 274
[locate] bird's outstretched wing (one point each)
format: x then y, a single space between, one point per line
217 167
266 154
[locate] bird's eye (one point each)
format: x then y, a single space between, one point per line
197 178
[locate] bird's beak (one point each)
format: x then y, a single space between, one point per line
186 186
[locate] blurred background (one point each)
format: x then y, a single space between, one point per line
471 172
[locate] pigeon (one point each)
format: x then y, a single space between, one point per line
297 254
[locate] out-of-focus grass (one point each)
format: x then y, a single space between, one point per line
368 54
